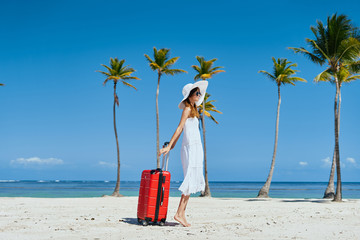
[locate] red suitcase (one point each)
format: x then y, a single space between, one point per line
154 195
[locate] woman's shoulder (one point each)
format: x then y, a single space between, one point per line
187 110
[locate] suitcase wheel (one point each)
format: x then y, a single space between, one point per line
143 222
161 223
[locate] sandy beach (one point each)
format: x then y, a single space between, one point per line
212 218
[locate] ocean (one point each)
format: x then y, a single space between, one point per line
82 189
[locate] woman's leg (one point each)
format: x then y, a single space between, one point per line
180 214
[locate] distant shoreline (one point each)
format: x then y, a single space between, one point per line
219 189
57 180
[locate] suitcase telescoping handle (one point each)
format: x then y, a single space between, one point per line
165 157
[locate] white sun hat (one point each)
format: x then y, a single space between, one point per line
202 85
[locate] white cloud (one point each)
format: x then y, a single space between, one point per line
36 162
107 164
303 163
351 160
326 162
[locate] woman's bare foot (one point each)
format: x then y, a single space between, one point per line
182 221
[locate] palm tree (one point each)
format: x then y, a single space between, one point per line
336 44
346 74
161 64
282 74
209 107
118 72
205 71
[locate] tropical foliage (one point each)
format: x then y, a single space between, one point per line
336 44
209 107
117 72
161 63
346 74
282 74
205 71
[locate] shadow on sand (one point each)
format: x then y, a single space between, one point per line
134 221
307 200
290 200
258 199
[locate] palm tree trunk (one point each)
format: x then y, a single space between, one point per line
330 189
116 192
338 194
157 123
206 192
264 191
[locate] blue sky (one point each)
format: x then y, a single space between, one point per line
56 116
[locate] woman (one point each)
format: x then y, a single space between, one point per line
191 150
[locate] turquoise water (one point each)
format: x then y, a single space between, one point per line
79 189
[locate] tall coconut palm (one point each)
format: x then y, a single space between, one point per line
205 71
161 64
336 44
347 73
117 72
282 74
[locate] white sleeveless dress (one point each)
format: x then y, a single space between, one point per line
192 157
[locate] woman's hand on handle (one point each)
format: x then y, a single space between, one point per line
164 150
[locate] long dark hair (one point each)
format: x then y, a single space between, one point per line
194 112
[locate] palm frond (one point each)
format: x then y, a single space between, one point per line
128 85
105 73
352 78
148 58
217 71
205 76
154 66
309 55
324 76
209 107
117 71
162 63
349 49
297 79
282 72
170 62
355 67
131 78
336 43
196 68
173 71
270 76
204 69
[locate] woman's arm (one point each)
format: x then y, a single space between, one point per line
178 131
176 141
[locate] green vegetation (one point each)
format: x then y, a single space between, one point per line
161 64
337 45
117 72
282 74
205 71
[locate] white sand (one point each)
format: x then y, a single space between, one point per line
214 218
